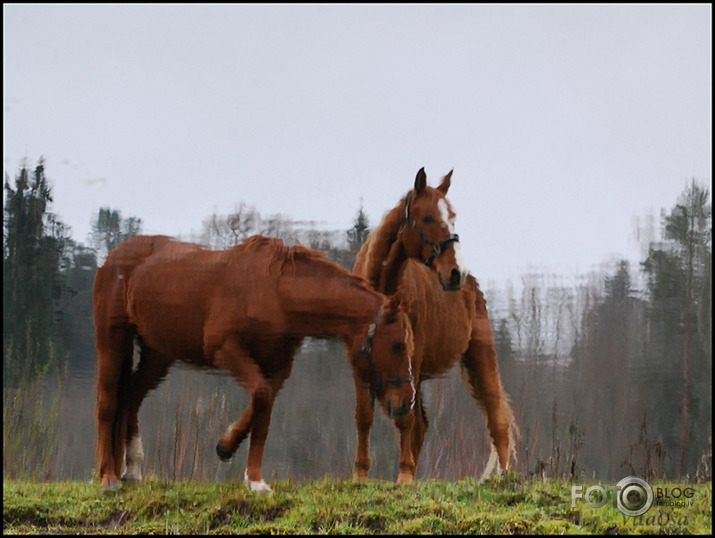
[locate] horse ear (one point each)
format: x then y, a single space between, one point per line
420 181
446 182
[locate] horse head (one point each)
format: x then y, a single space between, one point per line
384 362
428 231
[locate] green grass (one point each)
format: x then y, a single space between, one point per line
331 506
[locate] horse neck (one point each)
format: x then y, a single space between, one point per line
392 269
382 257
326 300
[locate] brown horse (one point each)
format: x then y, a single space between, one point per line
245 310
414 250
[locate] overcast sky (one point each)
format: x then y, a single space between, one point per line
562 123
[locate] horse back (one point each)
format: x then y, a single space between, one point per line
183 300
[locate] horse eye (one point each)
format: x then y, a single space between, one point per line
427 220
398 347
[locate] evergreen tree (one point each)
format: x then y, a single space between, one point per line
356 236
32 281
679 283
109 229
76 307
359 232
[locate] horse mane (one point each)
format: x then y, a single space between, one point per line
378 247
279 250
286 258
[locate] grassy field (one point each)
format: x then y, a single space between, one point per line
329 506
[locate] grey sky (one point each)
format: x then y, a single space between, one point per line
561 122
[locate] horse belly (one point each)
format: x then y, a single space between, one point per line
441 356
173 330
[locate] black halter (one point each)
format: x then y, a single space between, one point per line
366 352
437 247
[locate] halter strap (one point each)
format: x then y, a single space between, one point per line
437 247
366 353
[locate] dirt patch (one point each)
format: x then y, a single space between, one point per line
242 510
116 520
372 523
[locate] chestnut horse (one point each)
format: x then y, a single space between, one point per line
415 251
245 310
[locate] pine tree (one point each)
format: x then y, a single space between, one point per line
109 229
679 282
359 232
32 280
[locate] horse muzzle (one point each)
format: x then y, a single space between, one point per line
455 280
397 412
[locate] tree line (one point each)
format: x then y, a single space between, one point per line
605 377
614 379
48 276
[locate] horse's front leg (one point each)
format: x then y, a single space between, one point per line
262 403
255 419
364 412
407 464
420 426
412 429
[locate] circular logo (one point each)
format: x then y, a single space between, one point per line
635 496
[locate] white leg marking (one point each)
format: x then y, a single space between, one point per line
492 465
135 457
256 486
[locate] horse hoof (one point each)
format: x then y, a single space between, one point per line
223 454
359 479
259 487
405 478
109 485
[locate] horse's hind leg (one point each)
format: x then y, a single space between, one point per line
114 354
150 371
479 365
482 373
